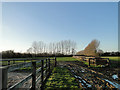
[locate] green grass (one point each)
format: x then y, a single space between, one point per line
61 78
115 58
66 59
114 62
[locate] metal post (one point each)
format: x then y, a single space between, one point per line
33 75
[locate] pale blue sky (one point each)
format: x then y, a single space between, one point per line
82 22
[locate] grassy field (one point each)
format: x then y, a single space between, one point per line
61 78
115 58
112 59
66 59
115 61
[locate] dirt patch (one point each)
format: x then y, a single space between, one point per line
97 78
87 77
15 77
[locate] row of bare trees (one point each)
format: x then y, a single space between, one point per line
65 47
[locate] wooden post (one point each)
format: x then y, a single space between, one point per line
42 69
9 62
4 77
13 61
55 62
89 62
33 75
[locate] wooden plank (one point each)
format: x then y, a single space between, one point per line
26 59
44 72
17 85
38 61
38 78
38 70
18 66
45 65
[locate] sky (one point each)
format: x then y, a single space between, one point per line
25 22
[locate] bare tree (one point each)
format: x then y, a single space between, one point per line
29 50
66 47
35 47
42 46
100 52
73 47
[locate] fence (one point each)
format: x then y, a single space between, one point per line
15 61
94 60
44 70
97 61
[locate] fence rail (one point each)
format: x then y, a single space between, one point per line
44 70
14 61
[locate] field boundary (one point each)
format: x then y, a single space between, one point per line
45 70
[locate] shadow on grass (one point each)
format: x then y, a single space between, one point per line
61 78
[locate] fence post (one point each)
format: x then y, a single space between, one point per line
4 77
42 68
9 62
33 75
13 61
55 62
